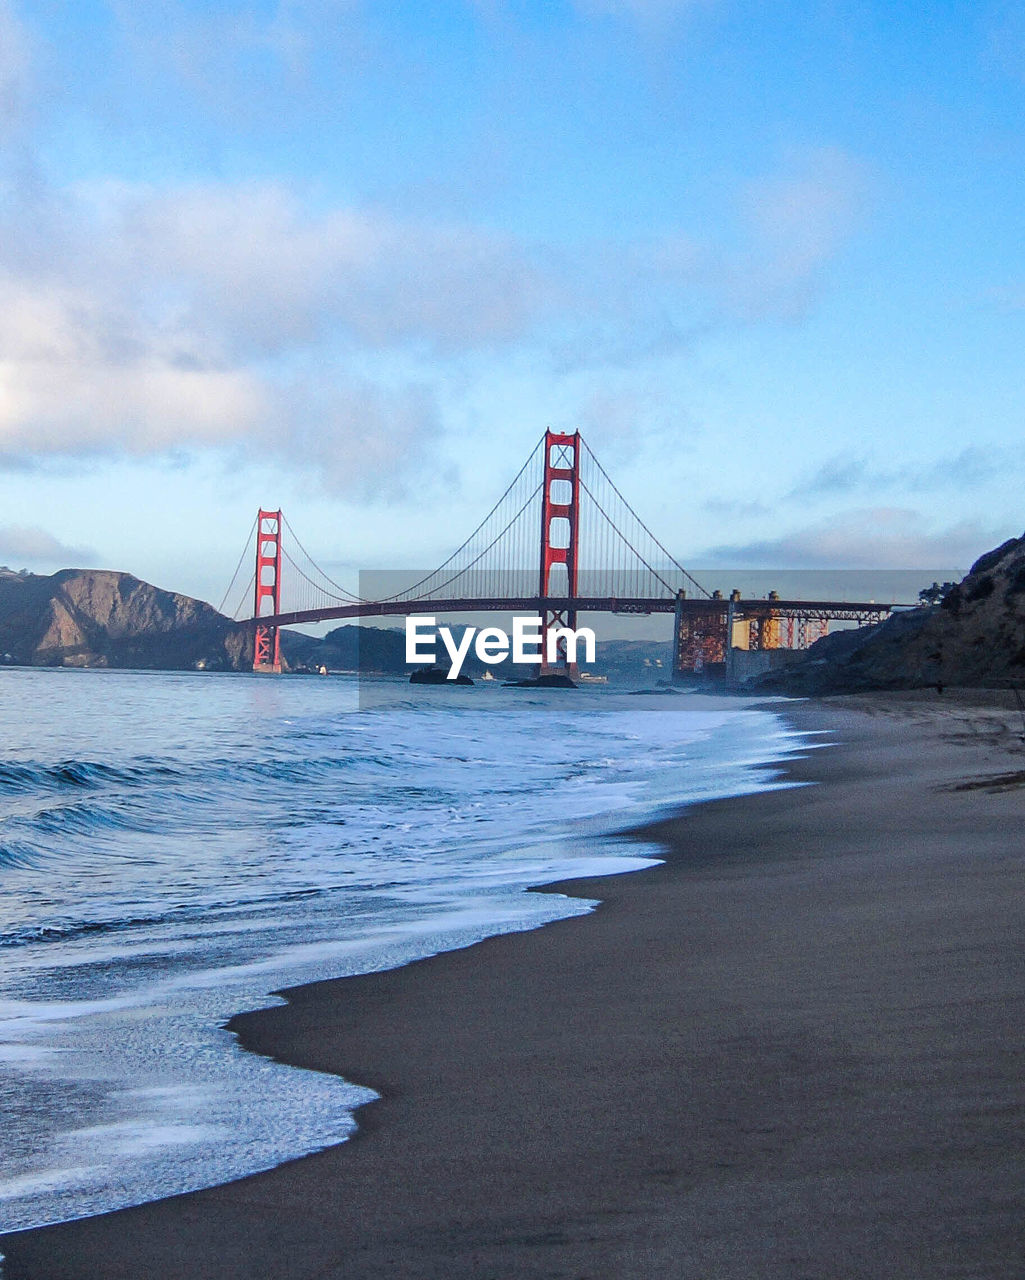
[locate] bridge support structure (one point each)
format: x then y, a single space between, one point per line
699 637
560 533
266 640
713 637
802 632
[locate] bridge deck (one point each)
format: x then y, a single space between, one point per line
831 610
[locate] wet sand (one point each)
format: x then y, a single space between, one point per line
795 1050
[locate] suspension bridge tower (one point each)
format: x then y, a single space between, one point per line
266 641
560 528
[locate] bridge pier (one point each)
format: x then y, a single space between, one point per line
699 636
719 637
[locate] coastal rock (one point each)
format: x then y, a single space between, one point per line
437 675
104 618
975 637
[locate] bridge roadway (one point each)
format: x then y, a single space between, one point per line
831 610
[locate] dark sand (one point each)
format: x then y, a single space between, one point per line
793 1051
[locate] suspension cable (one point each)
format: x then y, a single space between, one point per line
445 563
480 555
337 585
669 556
245 549
626 542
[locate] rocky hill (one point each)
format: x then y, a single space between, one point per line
975 636
101 618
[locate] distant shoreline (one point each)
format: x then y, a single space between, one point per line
793 1049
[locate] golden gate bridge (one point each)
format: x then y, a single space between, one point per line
560 541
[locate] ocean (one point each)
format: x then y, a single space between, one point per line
174 848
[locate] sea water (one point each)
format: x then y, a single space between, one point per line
174 848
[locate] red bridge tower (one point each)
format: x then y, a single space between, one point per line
266 641
560 521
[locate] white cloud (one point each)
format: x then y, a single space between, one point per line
846 473
242 63
142 319
79 374
358 437
220 316
139 319
250 269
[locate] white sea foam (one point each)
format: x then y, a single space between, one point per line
180 846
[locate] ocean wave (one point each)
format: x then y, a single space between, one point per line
208 911
27 777
23 777
20 855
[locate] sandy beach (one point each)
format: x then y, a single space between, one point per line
794 1050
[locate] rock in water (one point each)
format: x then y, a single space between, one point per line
437 675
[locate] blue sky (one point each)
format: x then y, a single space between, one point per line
350 259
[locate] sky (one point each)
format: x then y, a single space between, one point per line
351 259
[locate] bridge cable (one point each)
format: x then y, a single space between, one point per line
445 563
625 542
327 578
315 585
246 548
246 593
480 555
667 554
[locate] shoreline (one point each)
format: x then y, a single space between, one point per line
793 1048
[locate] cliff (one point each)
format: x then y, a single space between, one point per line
102 618
974 637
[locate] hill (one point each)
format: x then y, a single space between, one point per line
974 637
103 618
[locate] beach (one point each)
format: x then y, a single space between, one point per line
793 1050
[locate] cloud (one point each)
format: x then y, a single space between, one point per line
78 374
247 317
360 438
245 65
737 508
846 473
138 319
795 222
228 317
30 544
869 538
248 268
